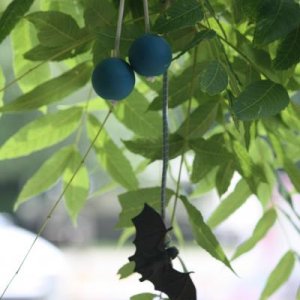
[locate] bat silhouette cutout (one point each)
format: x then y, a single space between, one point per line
153 260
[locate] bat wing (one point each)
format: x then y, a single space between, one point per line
150 235
177 285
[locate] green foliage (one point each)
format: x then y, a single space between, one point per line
233 107
144 296
11 16
279 275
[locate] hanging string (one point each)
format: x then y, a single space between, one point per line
165 143
146 16
119 28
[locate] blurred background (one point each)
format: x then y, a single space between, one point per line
81 263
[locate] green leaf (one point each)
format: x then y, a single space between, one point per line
260 230
132 203
213 78
181 14
46 176
111 157
23 32
209 154
55 28
77 192
199 121
224 176
2 83
126 270
133 114
230 204
152 148
293 172
200 36
261 99
288 51
51 91
279 275
275 19
12 15
41 133
144 296
203 234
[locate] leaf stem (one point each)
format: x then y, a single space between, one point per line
119 28
57 202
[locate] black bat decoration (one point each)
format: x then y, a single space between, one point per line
153 260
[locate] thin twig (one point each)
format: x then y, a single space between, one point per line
119 28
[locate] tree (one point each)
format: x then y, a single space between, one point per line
234 105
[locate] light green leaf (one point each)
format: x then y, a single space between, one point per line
288 51
144 296
134 115
45 176
77 192
132 203
279 275
293 172
152 148
55 28
275 19
12 15
260 230
213 78
181 14
23 32
126 270
230 204
261 99
203 234
41 133
224 176
199 121
52 91
111 157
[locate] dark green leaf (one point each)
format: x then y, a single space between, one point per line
181 14
51 91
275 19
213 78
41 133
55 28
111 157
77 192
224 176
200 36
293 172
199 121
279 275
126 270
230 204
46 175
203 234
260 230
152 148
288 52
12 15
132 203
261 99
134 115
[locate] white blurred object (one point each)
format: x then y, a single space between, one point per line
40 275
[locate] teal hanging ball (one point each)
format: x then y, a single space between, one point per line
150 55
113 79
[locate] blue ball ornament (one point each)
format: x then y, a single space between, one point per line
150 55
113 79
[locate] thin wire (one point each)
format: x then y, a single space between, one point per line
146 16
165 151
119 28
42 228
